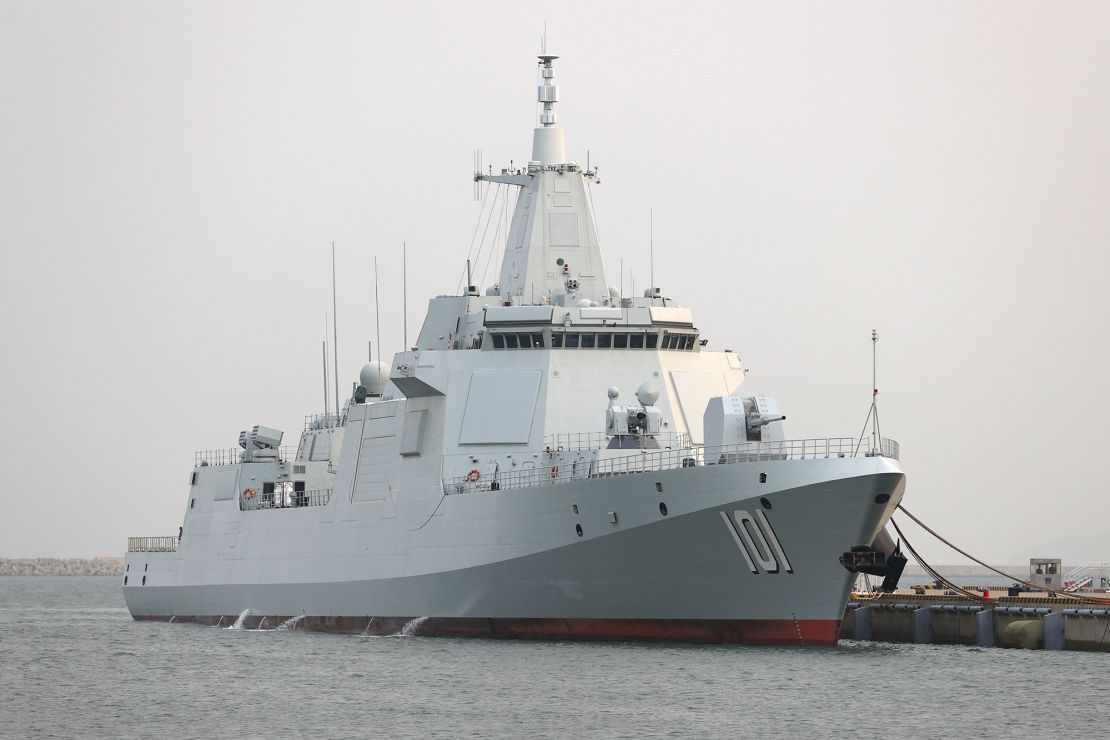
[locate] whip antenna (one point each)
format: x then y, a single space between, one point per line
377 312
405 294
335 334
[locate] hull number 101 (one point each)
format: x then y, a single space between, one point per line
757 541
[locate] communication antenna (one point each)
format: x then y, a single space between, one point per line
469 284
377 312
324 348
477 172
370 351
651 250
335 334
875 433
405 294
873 412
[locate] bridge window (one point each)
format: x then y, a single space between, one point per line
556 340
636 341
511 342
604 341
498 341
620 341
588 341
652 340
572 341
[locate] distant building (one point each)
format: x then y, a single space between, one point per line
1046 573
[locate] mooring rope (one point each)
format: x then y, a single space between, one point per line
969 556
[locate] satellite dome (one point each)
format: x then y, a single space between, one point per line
647 394
614 391
373 377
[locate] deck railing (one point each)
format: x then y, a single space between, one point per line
669 459
285 500
232 455
151 544
599 440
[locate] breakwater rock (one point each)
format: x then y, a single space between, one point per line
111 566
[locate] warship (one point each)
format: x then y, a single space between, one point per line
551 459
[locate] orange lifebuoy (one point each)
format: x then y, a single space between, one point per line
473 475
555 471
248 494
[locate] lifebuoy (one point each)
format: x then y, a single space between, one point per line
555 471
473 475
248 494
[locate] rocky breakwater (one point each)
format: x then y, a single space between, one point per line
112 566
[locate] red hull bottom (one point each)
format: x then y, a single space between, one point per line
728 631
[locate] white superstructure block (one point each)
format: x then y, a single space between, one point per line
549 146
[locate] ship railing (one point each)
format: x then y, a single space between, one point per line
325 421
669 459
1081 576
151 544
575 441
283 499
233 456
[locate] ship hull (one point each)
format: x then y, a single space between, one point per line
712 569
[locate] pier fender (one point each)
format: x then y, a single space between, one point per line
1022 633
984 628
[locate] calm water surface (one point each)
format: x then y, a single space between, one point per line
73 663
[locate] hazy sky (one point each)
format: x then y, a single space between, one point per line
172 174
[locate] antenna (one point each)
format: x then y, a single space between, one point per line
477 174
370 351
324 347
469 284
873 412
377 312
876 438
335 334
651 250
405 294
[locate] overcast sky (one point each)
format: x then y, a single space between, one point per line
172 175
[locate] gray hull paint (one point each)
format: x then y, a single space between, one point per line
686 565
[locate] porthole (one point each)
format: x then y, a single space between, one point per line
766 502
144 580
762 477
662 508
559 262
125 580
882 498
659 486
128 568
192 502
575 507
578 529
146 567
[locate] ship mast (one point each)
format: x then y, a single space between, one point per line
552 253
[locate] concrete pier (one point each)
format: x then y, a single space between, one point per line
1035 621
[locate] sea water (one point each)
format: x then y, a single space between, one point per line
74 664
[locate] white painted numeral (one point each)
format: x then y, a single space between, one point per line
757 541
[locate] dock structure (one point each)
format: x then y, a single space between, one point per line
1030 620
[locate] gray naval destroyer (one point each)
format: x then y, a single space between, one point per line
552 459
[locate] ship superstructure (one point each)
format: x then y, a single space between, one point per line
552 458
